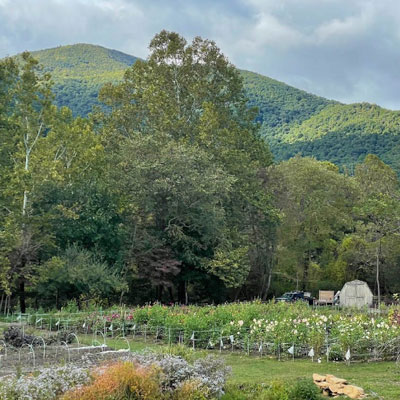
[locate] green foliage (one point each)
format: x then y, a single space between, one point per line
343 134
191 107
279 104
80 70
231 266
277 390
316 202
304 389
77 275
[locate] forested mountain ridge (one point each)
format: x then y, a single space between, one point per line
343 134
80 70
279 103
292 120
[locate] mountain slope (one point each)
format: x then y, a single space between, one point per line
79 71
278 102
343 134
292 120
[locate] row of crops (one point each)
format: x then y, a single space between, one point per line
262 327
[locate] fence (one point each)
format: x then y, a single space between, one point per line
215 339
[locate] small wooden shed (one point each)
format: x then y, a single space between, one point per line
356 294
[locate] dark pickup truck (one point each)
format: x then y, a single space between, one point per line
291 297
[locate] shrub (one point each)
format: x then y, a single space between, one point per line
45 385
304 389
122 380
277 391
210 371
192 390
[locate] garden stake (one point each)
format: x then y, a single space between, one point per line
311 354
348 356
291 351
192 339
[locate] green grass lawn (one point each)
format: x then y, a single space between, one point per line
382 378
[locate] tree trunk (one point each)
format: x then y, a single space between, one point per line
171 294
186 294
237 292
1 302
7 305
378 287
121 298
58 299
268 284
22 303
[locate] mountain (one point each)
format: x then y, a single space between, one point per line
80 70
279 103
343 134
292 120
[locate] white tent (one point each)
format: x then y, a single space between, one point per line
356 294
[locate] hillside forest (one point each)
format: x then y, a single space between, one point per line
292 120
168 189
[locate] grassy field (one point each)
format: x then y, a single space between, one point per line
381 380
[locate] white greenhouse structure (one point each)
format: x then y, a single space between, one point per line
356 294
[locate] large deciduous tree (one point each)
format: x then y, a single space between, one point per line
191 95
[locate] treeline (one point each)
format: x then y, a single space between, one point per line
169 192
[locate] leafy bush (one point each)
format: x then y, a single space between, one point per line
210 372
304 389
192 390
277 391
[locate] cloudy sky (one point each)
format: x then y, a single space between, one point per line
348 50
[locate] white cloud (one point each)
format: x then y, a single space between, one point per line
344 29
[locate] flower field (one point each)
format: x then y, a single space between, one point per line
279 329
